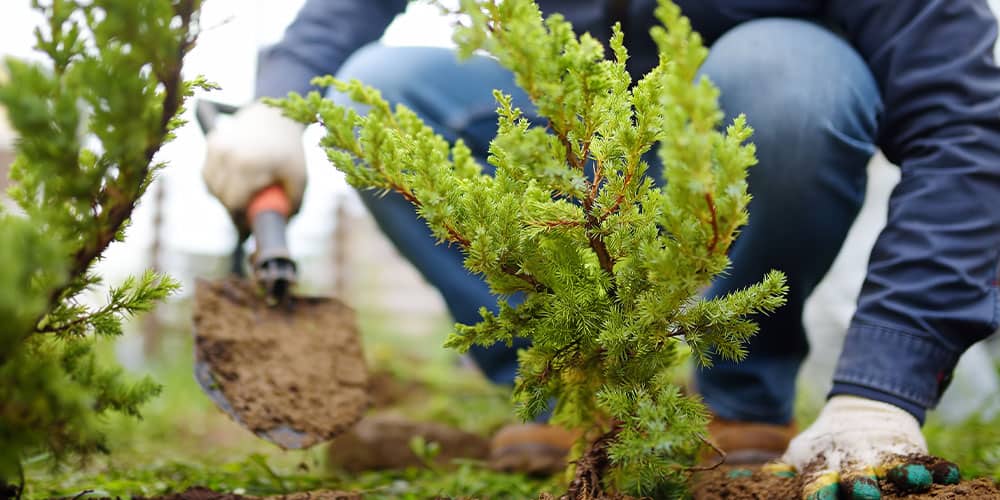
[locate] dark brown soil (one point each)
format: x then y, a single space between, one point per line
200 493
548 496
299 366
716 485
383 442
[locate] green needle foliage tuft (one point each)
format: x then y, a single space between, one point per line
609 265
89 122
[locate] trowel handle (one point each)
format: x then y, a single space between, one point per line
271 198
268 214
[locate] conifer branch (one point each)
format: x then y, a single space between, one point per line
527 278
718 451
611 210
551 224
114 77
571 157
116 207
598 178
551 363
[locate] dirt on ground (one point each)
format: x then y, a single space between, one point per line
718 485
297 365
712 485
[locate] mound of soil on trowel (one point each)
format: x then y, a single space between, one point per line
298 365
717 485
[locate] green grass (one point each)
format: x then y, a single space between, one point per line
184 441
258 475
974 444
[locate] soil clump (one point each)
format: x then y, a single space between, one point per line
717 485
387 390
297 365
382 441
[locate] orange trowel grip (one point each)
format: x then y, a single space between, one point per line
269 199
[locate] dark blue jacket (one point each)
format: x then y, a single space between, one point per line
933 62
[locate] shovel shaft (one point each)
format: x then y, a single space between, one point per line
272 262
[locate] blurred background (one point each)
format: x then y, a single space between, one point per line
180 229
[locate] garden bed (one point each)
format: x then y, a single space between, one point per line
720 484
714 485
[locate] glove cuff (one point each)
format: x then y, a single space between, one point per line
270 118
854 404
905 369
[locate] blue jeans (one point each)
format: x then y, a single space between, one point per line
815 108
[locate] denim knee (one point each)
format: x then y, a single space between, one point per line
453 97
375 65
808 94
815 108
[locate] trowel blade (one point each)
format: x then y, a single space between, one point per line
283 436
293 375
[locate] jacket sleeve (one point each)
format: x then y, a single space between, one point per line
322 36
931 288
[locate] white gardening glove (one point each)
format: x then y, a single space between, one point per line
258 147
7 135
857 441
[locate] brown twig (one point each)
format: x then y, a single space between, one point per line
715 222
453 235
601 249
550 364
571 157
629 174
719 451
457 238
527 278
82 494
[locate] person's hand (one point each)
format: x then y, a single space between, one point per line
855 442
257 148
7 134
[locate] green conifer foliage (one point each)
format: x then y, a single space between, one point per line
89 125
610 266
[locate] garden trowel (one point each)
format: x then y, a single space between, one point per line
289 368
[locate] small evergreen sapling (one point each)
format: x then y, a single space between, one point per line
90 123
609 265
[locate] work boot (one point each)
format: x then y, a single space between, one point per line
747 443
536 449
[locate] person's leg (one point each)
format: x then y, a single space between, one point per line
456 99
815 108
